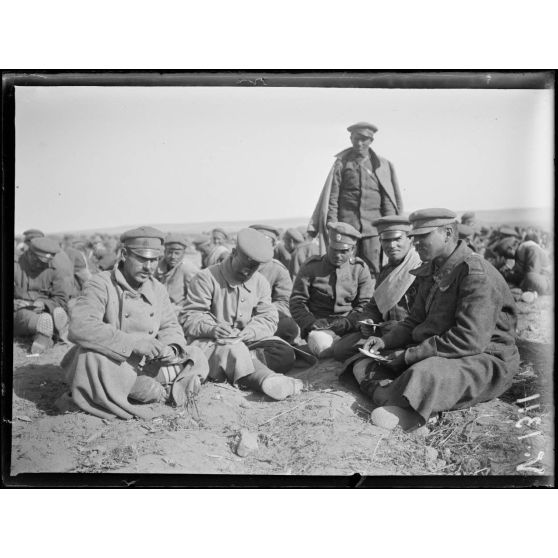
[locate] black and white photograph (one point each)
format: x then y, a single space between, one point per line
305 274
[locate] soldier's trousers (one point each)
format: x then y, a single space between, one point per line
368 248
234 361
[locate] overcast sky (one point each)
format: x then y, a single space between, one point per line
90 157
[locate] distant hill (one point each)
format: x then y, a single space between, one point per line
534 216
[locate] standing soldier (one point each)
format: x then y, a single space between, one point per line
175 271
330 292
360 188
41 295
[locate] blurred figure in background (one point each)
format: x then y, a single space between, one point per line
211 254
281 285
41 295
175 271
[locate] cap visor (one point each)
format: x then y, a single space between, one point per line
340 245
146 252
423 230
388 235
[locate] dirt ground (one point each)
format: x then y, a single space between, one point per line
324 431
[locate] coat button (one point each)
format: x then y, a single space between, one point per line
152 314
240 314
241 300
150 332
126 315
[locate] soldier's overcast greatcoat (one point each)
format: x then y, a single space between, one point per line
321 290
460 336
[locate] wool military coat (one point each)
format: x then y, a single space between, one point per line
459 336
281 285
176 280
322 290
48 284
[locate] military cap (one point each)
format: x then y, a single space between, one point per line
32 233
467 216
342 235
391 226
175 238
465 230
254 245
295 234
143 241
268 230
219 230
364 129
508 231
43 246
425 221
201 240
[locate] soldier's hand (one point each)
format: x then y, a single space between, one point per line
148 347
341 326
388 326
374 344
221 330
321 323
247 335
167 355
367 330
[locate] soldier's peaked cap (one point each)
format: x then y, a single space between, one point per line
44 245
144 241
343 235
295 234
268 230
508 231
425 221
176 238
391 226
255 245
364 129
32 233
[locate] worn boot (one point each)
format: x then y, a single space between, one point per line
60 319
276 386
43 337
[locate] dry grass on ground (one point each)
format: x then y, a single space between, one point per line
324 431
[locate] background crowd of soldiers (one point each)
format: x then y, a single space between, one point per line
429 296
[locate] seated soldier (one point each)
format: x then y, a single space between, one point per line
281 253
395 290
41 295
175 271
229 315
501 252
466 233
281 287
330 292
457 346
61 261
300 248
129 344
211 254
531 271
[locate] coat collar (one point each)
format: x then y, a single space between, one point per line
443 275
225 267
346 154
146 290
